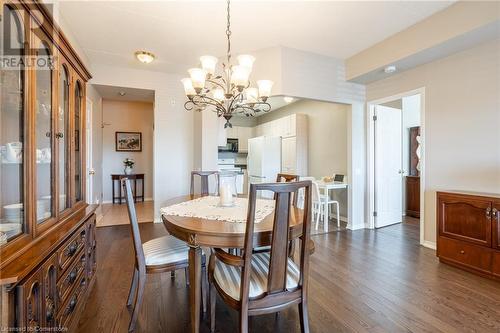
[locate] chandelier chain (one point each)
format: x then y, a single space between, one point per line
228 33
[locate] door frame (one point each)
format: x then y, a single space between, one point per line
371 155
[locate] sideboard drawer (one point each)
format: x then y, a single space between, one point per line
69 308
69 250
69 279
466 254
496 264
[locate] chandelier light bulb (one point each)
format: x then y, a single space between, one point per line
218 95
251 95
246 60
208 63
198 77
265 87
239 76
188 87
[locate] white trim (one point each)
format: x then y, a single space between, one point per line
109 201
88 157
370 158
429 244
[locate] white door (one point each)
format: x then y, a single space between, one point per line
388 173
90 169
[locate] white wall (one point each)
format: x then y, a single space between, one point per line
122 116
173 150
461 122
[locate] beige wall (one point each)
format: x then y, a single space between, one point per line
327 137
127 117
461 122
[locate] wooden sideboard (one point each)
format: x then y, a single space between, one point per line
413 196
469 231
47 230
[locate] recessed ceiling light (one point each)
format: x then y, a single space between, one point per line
145 57
390 69
121 93
288 99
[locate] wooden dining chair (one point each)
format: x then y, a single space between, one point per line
265 282
204 178
163 254
286 178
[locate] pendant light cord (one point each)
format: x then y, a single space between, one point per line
228 34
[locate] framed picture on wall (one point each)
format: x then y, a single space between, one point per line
128 141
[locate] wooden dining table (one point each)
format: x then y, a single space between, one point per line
198 232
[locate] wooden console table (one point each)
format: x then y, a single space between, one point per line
135 177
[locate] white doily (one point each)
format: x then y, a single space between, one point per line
208 208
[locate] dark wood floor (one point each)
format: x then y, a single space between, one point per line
361 281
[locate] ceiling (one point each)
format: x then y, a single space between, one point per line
178 32
130 94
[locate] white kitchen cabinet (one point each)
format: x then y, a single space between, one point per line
232 132
244 133
222 132
289 155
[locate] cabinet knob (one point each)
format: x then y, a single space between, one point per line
462 252
488 212
59 135
495 213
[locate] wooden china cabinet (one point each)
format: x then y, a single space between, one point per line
47 231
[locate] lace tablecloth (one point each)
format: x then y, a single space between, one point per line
208 208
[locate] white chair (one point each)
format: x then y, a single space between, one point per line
321 202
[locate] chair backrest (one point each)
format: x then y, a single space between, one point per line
134 225
204 181
286 178
278 261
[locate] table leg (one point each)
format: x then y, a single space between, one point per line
142 193
113 190
135 190
195 286
325 217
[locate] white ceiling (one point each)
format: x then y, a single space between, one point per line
131 94
178 32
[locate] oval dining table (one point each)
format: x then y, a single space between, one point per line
197 232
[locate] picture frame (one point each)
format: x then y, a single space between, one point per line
128 141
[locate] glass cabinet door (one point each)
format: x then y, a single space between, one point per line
62 138
78 141
43 137
12 97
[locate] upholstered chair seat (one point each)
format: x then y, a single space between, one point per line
165 250
228 277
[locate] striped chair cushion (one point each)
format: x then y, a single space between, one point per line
165 250
229 277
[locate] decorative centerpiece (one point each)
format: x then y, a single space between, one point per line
227 189
129 166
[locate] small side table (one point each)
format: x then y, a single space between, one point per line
135 177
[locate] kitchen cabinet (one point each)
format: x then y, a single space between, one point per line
237 132
289 155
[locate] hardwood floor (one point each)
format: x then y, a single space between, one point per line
114 214
360 281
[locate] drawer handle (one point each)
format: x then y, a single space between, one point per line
495 214
462 252
72 276
72 249
488 213
71 305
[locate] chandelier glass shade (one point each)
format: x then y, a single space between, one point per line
227 90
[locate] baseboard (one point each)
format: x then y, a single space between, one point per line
109 201
429 244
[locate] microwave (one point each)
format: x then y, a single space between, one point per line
231 146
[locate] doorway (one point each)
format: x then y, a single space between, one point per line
396 160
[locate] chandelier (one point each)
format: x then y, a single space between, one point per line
229 92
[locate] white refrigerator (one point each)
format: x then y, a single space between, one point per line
264 160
